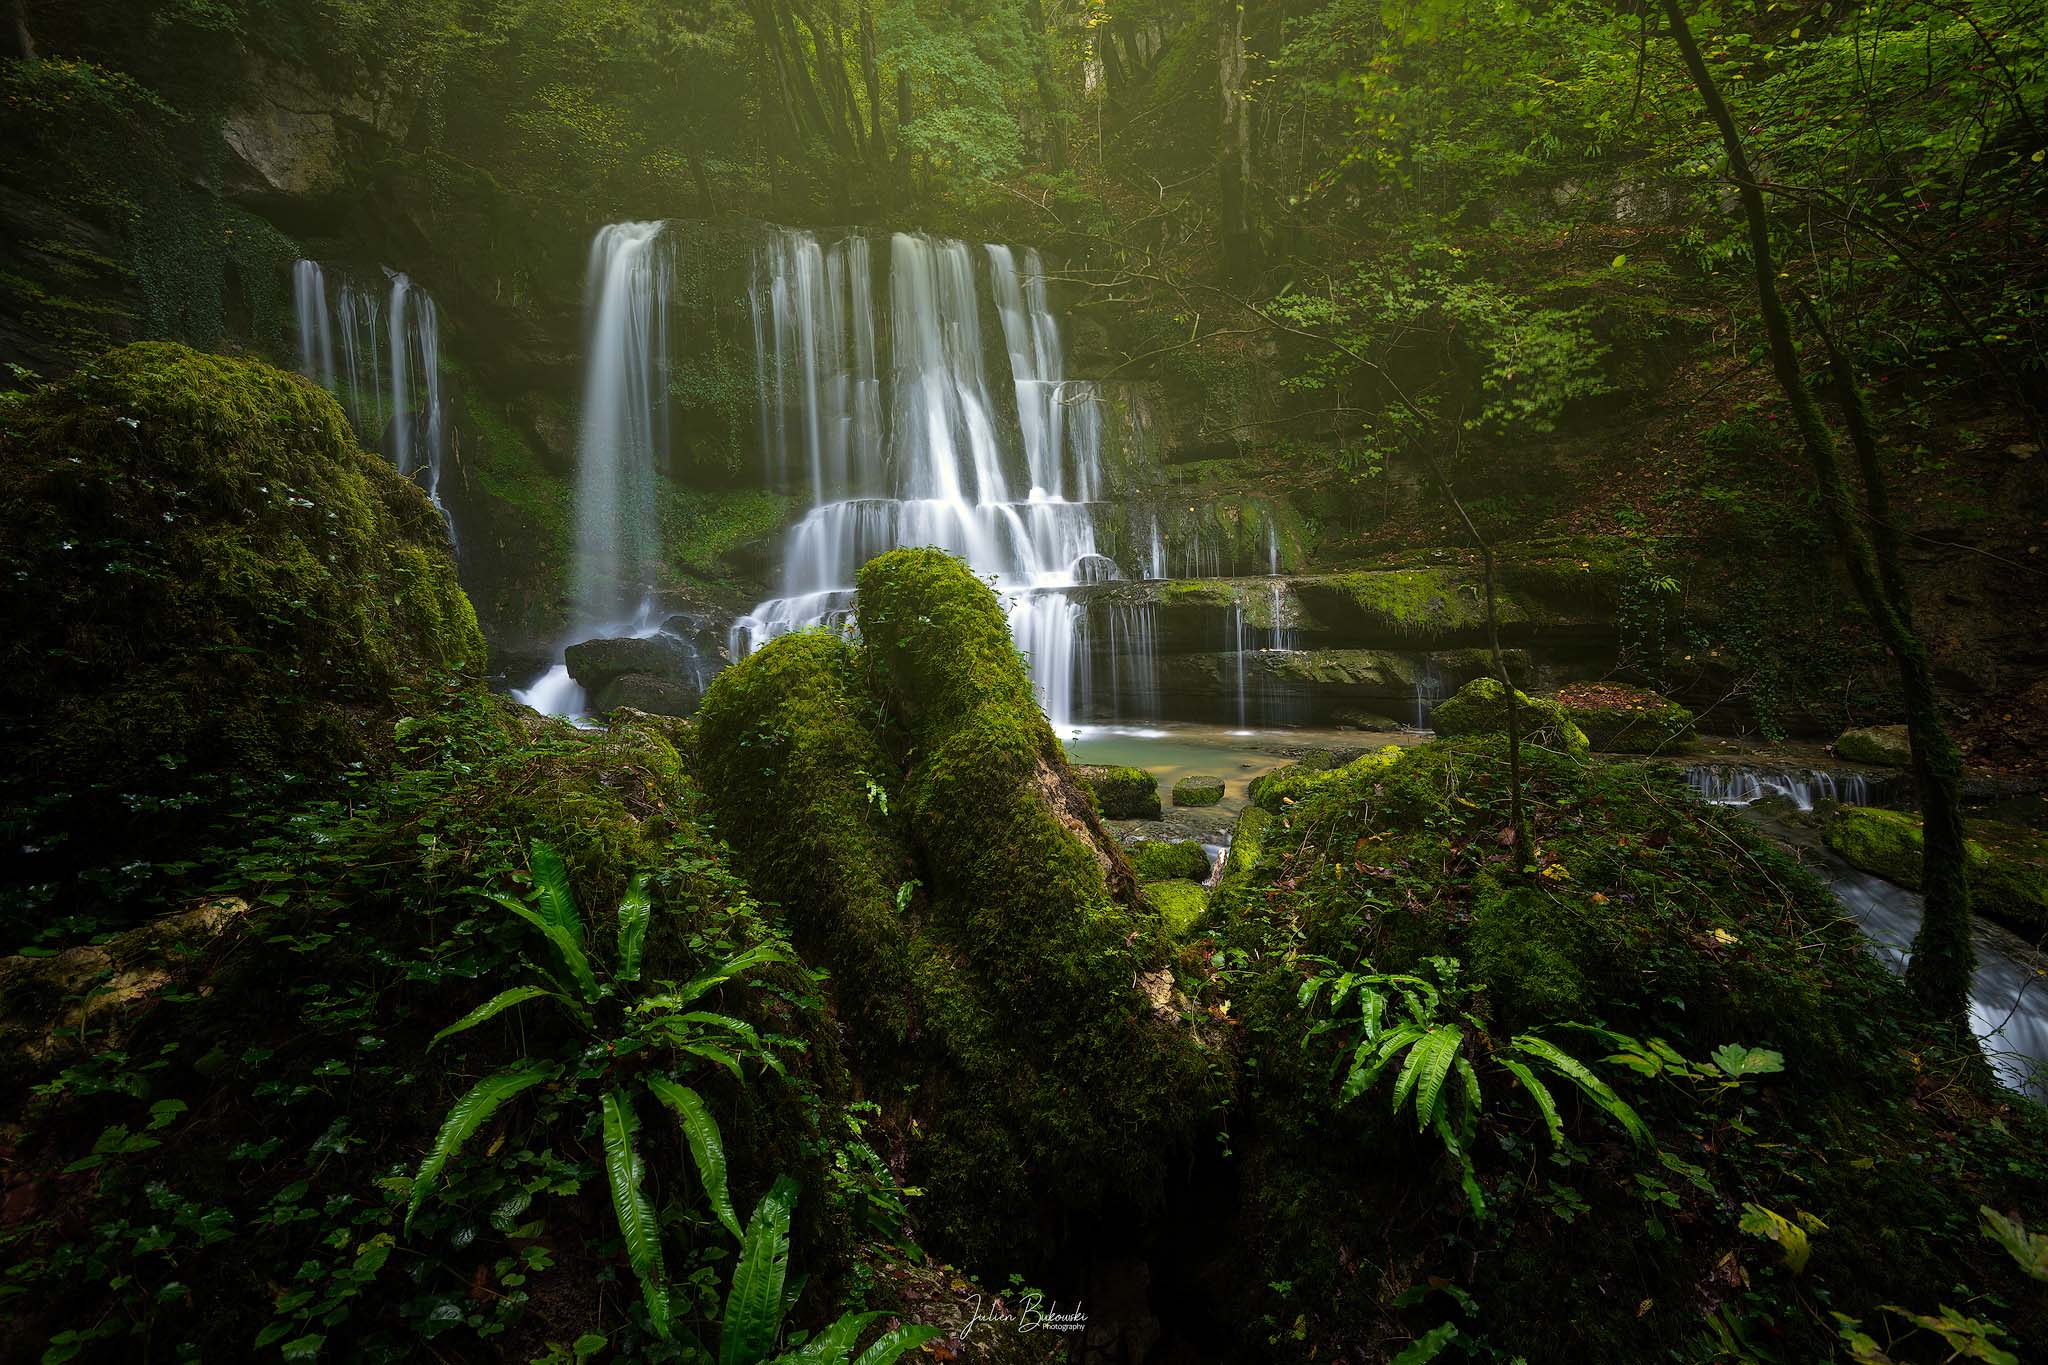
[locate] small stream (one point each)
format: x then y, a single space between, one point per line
2008 993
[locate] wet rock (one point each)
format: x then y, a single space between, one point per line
1887 745
1121 793
1198 791
1159 860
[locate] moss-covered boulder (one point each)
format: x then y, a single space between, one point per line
216 594
2008 863
1619 719
1886 745
1478 708
1159 860
1198 791
999 967
1179 902
1121 793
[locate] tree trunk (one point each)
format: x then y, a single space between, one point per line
870 77
1235 135
1048 90
1943 954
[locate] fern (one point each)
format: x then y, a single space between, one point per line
629 1203
469 1114
490 1009
552 892
634 912
566 945
753 1305
707 1145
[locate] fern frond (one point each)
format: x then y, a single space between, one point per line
557 901
635 909
687 994
893 1346
1468 1179
637 1228
1540 1093
753 1306
490 1009
566 944
1364 1072
707 1145
832 1346
739 1028
1433 1057
1578 1074
465 1116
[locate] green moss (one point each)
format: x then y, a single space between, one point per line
225 596
1526 948
1626 720
1286 786
699 526
1418 603
2008 863
1198 791
787 751
1477 709
1887 745
1179 902
1121 793
1091 1087
1159 860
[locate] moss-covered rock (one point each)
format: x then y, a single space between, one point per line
217 595
1159 860
995 958
786 751
1887 745
1198 791
1121 793
2008 863
1477 709
1179 901
1083 1078
1619 719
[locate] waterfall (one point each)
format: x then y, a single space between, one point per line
623 428
1015 500
316 325
1740 786
402 333
1429 691
621 435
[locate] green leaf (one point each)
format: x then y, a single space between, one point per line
567 945
1737 1061
1595 1089
2028 1249
833 1345
1618 262
551 887
1759 1221
634 912
466 1116
753 1306
707 1146
1363 1074
641 1234
1437 1052
490 1009
683 996
892 1346
303 1348
1427 1346
1540 1093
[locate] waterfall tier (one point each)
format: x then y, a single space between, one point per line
1006 477
388 377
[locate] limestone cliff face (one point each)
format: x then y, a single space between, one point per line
288 134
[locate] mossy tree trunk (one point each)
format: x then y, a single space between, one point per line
1943 955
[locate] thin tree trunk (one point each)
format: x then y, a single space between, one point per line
1237 143
870 76
1048 90
1943 954
24 42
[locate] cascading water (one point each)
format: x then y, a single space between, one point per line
621 435
316 324
1740 786
1014 501
401 336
